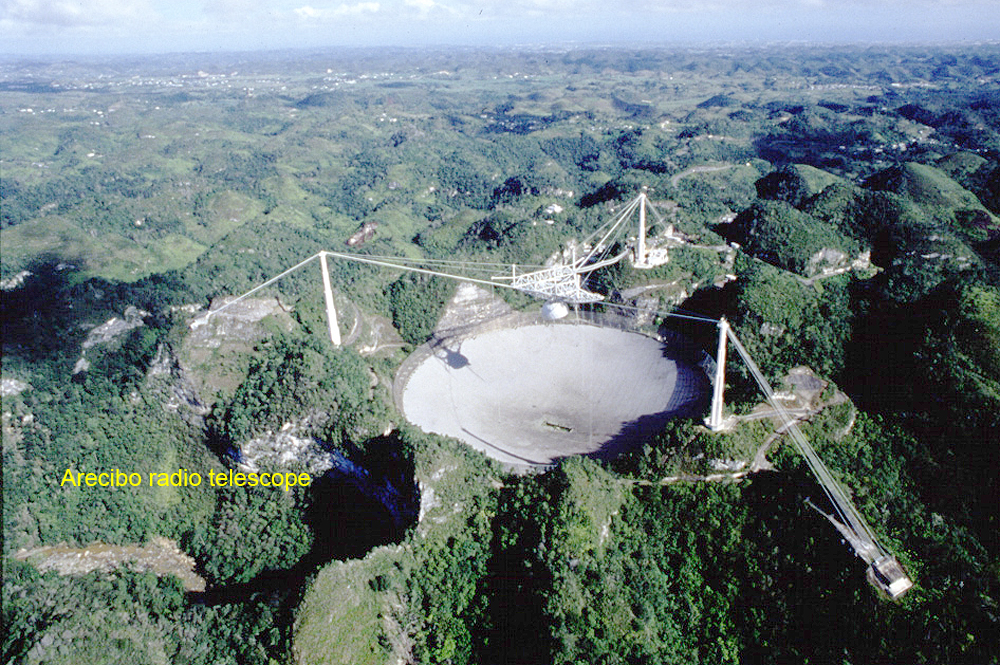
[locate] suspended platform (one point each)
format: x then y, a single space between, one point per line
558 283
564 282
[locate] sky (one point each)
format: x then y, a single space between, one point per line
40 27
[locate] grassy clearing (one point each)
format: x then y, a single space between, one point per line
341 618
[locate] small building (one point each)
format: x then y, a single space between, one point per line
886 575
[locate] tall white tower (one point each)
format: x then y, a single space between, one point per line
640 244
715 422
331 311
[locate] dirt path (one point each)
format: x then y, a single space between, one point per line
384 336
759 461
355 332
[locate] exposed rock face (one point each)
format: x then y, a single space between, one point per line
362 235
727 465
824 260
14 281
238 321
767 329
115 327
433 508
214 354
428 502
803 386
190 308
827 262
174 386
11 387
290 446
108 332
14 423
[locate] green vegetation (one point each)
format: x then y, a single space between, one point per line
795 184
706 573
790 324
252 530
788 238
294 377
421 601
53 619
417 302
136 193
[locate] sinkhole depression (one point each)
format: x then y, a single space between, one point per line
527 395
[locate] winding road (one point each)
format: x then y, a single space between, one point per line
698 169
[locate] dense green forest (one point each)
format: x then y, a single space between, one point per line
840 207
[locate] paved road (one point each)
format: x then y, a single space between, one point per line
697 169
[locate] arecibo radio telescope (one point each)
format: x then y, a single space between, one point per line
531 390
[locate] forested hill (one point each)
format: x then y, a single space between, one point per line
841 207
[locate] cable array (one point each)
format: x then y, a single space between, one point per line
848 514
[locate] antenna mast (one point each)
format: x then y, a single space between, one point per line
640 249
331 310
715 421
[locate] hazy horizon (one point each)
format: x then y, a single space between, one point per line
136 27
